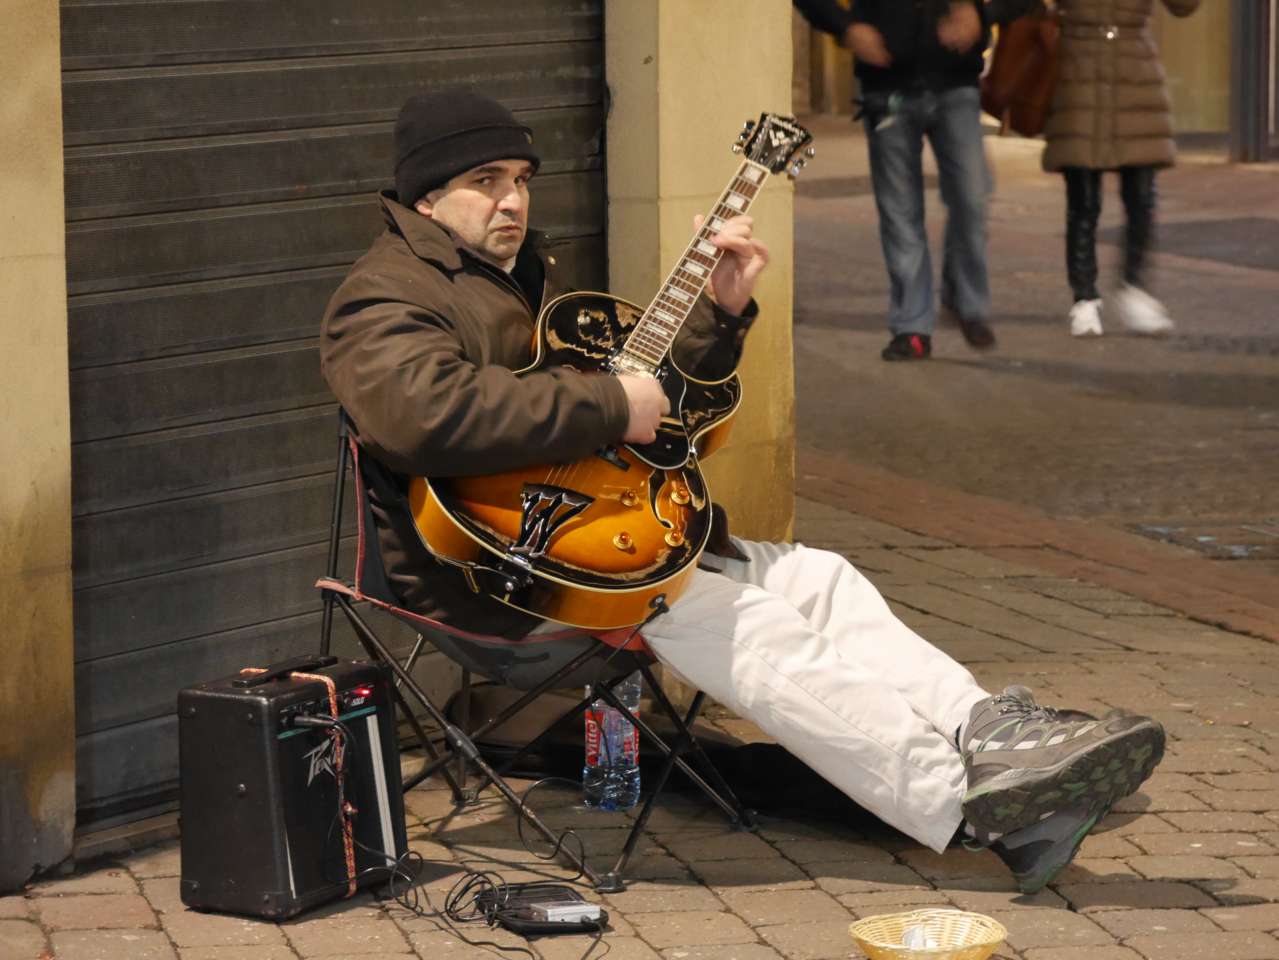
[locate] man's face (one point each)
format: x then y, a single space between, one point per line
487 207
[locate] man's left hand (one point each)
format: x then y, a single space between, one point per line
744 257
960 29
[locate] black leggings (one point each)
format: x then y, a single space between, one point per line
1083 207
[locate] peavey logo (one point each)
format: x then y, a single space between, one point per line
321 759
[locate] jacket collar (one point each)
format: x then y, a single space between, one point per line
431 241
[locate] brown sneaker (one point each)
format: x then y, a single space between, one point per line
1026 761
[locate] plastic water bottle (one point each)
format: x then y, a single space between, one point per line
611 776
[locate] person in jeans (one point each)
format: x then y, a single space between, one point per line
1110 111
918 62
421 344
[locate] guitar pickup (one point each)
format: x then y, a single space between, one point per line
610 455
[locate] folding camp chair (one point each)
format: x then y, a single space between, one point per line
564 659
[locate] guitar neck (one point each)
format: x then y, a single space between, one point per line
649 343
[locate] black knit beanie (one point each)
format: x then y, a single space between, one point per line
439 135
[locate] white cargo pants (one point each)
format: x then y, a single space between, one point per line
802 645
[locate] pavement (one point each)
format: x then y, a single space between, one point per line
1010 537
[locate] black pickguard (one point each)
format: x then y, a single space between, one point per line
586 331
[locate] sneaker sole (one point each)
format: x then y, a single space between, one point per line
1112 769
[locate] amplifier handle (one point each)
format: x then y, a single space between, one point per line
302 664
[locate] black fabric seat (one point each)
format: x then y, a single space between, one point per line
566 659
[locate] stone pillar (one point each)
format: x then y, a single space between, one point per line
37 720
683 78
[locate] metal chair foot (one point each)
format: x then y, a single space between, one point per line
610 883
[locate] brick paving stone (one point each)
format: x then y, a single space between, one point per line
1126 824
971 563
1259 916
1236 945
1133 894
1253 800
112 945
158 861
824 851
838 878
1204 844
21 940
1263 867
655 897
1143 802
691 928
1166 782
732 951
448 944
112 879
241 953
955 862
1051 928
1224 821
14 908
892 901
990 901
673 813
164 894
759 908
1247 890
575 947
827 940
343 936
1183 868
1130 923
191 929
720 845
94 912
1082 953
1107 845
780 831
1084 870
775 874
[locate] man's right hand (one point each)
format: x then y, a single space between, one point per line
867 44
648 403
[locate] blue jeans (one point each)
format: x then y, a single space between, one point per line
952 122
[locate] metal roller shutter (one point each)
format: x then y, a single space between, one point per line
221 157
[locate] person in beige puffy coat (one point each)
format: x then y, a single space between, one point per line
1111 111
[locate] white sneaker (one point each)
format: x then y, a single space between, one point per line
1140 312
1085 318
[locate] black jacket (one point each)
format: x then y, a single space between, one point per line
909 28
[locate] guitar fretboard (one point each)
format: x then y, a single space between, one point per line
653 335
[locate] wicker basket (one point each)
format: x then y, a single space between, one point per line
958 935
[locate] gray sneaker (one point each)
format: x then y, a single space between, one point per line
1026 761
1037 853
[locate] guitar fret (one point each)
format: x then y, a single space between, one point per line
735 200
678 293
706 247
696 269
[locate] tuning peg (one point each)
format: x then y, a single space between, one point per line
737 148
793 169
748 125
811 152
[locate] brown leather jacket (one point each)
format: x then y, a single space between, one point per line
420 344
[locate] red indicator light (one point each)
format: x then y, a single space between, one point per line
363 691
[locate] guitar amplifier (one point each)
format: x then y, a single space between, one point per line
262 833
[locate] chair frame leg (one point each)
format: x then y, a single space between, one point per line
457 741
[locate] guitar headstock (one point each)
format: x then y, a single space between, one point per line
776 142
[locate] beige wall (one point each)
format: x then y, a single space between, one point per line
681 88
1196 56
37 684
37 744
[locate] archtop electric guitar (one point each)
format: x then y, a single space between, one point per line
608 541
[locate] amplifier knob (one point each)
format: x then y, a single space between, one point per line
622 541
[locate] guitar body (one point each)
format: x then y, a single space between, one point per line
601 542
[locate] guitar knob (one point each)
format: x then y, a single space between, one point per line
674 538
629 498
622 541
680 496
